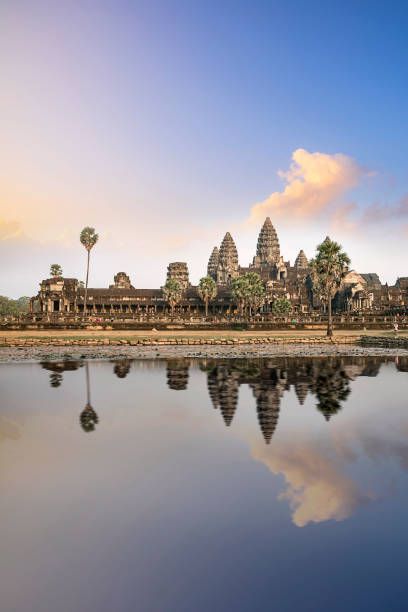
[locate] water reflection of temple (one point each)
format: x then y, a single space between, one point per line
326 378
177 374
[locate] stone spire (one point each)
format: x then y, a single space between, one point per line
301 261
177 374
213 263
227 261
178 270
267 248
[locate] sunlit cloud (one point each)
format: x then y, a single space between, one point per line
316 182
317 489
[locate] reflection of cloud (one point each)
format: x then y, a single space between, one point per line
8 430
317 489
314 182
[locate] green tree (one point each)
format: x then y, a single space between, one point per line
14 307
256 291
56 270
282 306
88 239
240 290
172 292
327 271
207 290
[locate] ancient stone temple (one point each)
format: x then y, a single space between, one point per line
121 281
360 292
267 249
301 262
178 270
227 261
212 267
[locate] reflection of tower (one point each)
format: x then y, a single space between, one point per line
122 367
228 392
88 417
268 392
301 390
212 386
177 374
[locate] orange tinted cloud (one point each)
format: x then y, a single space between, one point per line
318 490
315 181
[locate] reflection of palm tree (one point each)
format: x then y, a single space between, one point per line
88 417
331 387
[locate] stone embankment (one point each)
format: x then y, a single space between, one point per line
383 342
26 342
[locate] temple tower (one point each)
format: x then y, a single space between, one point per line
268 250
121 281
178 271
301 262
213 263
227 261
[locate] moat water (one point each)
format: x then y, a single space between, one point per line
204 485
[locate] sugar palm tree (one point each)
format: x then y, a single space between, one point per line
327 271
239 290
256 291
207 290
88 239
55 270
172 292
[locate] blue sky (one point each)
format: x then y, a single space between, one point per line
163 124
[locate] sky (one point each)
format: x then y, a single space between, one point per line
166 124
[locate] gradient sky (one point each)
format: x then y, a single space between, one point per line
165 124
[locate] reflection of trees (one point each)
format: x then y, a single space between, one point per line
122 367
57 368
331 387
177 374
328 379
88 417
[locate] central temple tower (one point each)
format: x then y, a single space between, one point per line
267 250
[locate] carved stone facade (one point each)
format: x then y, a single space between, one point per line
178 270
360 292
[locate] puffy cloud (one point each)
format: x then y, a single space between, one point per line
318 490
315 181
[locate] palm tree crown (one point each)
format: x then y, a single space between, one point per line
207 290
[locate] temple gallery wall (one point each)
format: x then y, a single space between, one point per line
360 292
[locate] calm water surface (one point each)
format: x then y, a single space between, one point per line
187 485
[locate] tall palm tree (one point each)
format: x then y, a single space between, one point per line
239 289
207 290
88 239
327 271
172 292
256 291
